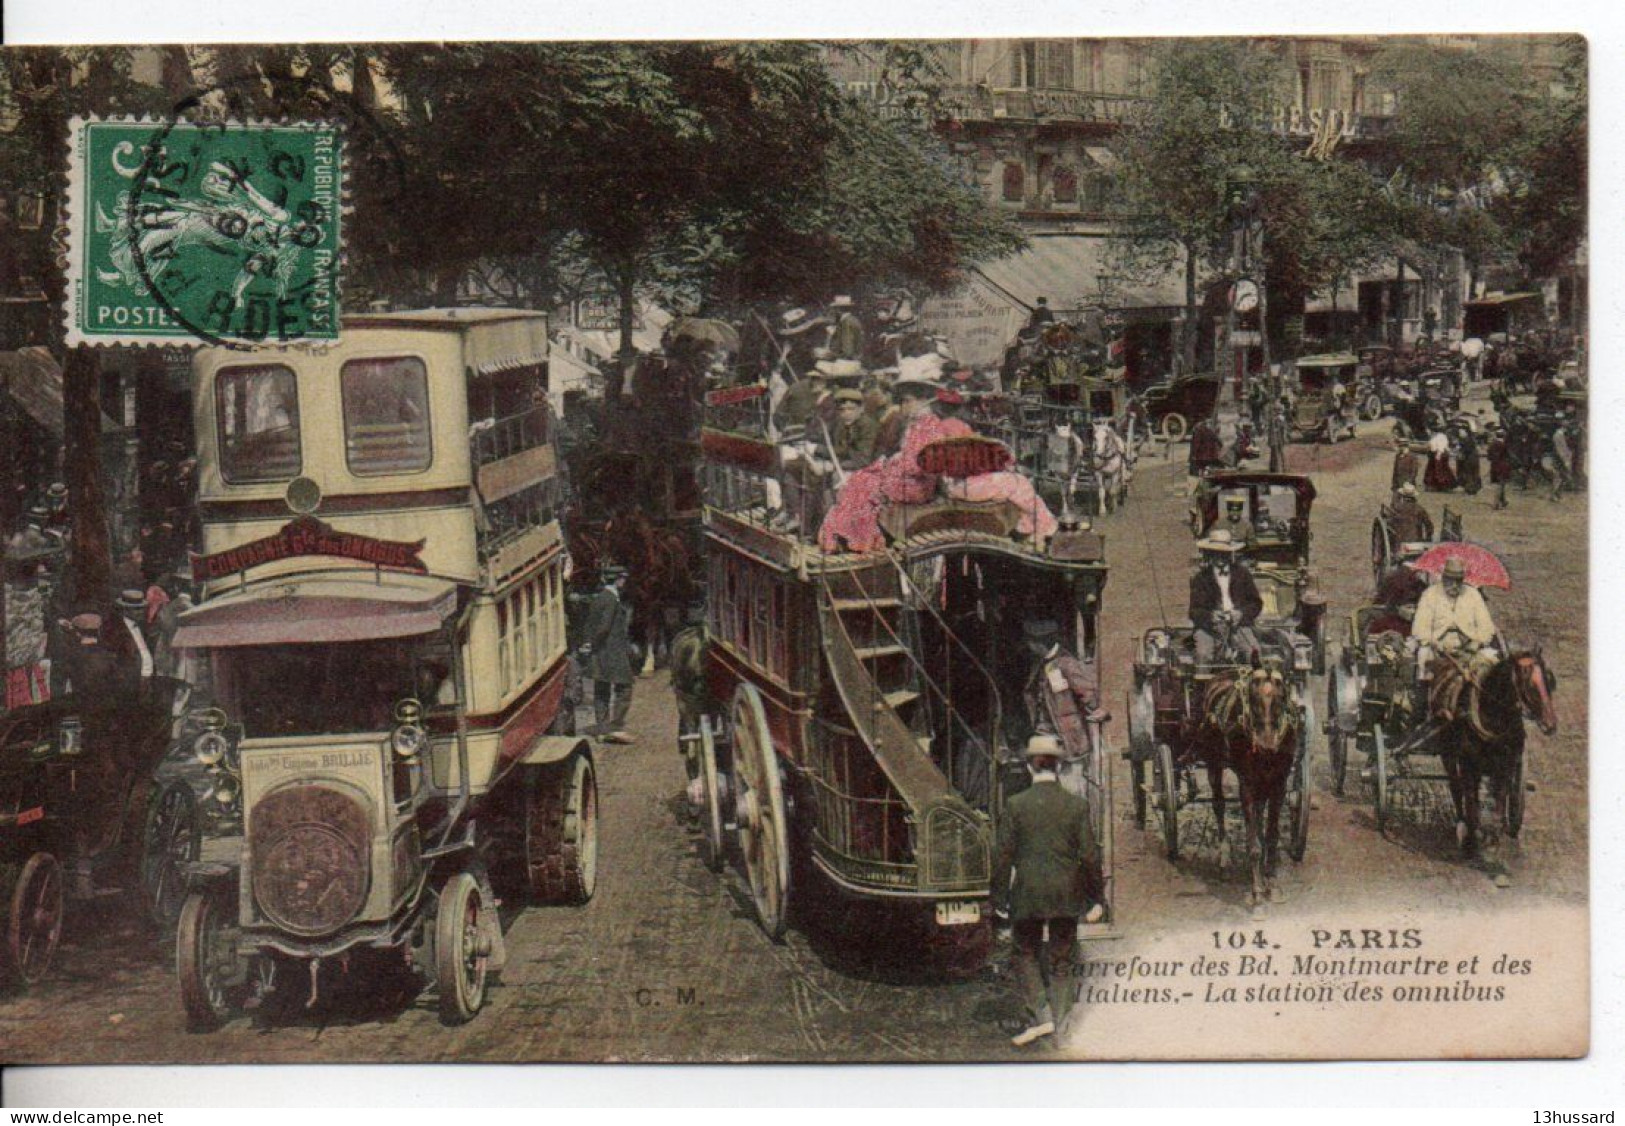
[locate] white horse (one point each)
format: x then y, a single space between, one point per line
1109 464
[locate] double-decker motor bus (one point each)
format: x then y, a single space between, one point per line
378 739
869 706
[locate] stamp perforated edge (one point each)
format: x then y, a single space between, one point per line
74 215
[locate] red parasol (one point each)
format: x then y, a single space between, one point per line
1483 568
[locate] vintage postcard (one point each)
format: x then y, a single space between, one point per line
831 551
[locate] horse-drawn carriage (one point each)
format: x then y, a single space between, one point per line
1269 514
1079 453
867 707
1390 547
1187 717
1426 404
74 778
1385 716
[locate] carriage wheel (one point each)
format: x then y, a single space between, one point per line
212 978
1168 796
1379 550
1310 722
1298 809
462 949
1380 738
33 895
1337 740
561 831
1173 426
1137 771
713 845
764 837
173 836
1142 718
1515 793
1371 406
1102 772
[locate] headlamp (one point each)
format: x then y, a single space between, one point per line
226 791
407 740
211 748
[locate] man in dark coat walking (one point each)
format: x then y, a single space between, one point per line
1500 457
606 657
1045 851
1207 450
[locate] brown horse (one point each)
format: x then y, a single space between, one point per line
1251 725
1484 738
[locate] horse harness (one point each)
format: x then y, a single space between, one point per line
1226 705
1451 678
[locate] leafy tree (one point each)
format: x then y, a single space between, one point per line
1182 149
1547 201
41 90
722 172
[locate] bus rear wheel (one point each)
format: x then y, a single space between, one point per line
561 831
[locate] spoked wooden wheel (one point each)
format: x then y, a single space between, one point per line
1380 739
713 845
1173 426
173 836
213 975
1371 406
1101 773
561 831
1337 739
34 900
1380 550
462 948
1298 809
1142 718
1168 797
764 838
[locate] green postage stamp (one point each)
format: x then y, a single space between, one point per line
186 232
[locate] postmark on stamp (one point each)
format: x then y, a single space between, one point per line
222 233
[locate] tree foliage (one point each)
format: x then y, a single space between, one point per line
1203 130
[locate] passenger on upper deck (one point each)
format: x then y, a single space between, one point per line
855 519
1035 520
852 437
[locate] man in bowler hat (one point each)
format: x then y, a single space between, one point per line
1044 853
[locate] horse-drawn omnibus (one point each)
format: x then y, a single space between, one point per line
378 724
868 706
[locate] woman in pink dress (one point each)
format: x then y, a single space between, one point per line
854 521
1036 521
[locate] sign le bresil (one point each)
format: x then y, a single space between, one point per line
1295 121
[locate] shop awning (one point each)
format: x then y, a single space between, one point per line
1066 269
319 611
566 370
32 379
1492 300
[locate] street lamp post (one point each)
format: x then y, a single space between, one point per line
1246 254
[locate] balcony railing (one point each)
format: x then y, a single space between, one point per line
983 103
514 434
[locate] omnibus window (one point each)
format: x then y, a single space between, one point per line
386 415
257 418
